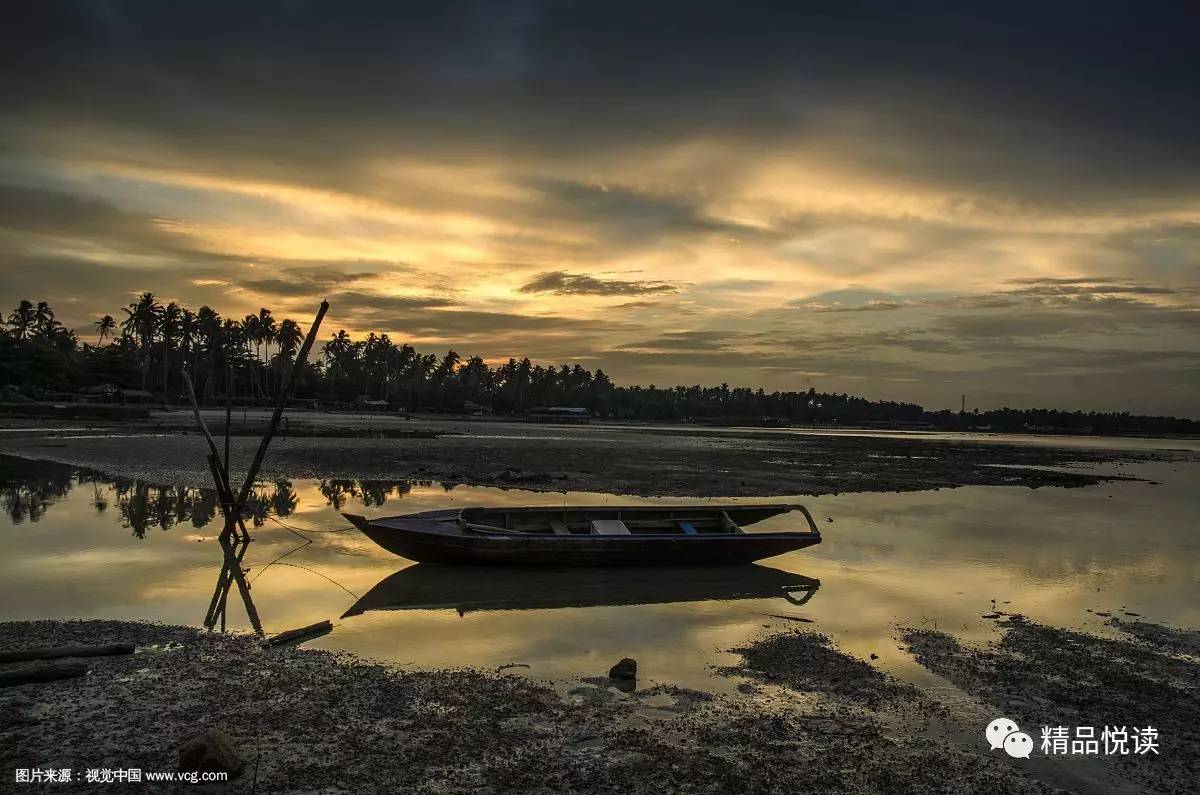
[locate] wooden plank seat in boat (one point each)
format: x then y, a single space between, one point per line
688 528
609 527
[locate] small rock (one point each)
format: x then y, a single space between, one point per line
210 752
625 669
623 675
874 656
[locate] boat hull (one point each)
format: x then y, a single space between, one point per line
437 537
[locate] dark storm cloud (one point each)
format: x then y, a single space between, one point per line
563 283
1047 98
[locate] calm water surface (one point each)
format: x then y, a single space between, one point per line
76 544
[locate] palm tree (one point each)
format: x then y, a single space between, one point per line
209 327
189 333
23 320
444 373
105 326
266 335
141 320
43 318
62 338
169 323
232 340
288 337
251 334
337 351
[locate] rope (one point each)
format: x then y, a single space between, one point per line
319 574
302 531
307 541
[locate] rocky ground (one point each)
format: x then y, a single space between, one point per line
315 721
1147 676
666 461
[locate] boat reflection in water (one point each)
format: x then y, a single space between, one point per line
467 588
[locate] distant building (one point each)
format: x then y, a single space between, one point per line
111 393
559 414
364 403
473 409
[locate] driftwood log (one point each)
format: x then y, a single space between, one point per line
47 672
300 635
58 652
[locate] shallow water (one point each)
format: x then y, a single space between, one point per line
78 544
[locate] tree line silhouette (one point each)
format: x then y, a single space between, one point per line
247 359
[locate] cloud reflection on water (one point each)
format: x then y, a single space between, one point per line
919 558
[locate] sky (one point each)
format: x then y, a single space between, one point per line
905 201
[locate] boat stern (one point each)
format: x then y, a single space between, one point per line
358 521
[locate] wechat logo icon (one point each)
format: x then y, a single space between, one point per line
1004 733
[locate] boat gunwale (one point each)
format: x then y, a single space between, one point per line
426 523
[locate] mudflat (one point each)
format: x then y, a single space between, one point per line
317 720
644 461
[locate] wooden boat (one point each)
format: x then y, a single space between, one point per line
470 588
634 535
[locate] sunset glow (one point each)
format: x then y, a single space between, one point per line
763 202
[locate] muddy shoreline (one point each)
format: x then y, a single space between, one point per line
315 720
643 462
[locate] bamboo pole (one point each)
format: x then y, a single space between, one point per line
228 410
187 380
220 475
284 393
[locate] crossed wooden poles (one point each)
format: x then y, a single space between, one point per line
232 574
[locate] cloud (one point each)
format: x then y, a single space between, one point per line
934 207
563 283
359 300
687 341
1086 287
46 214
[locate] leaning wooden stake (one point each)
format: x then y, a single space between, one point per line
284 394
212 444
228 410
220 474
